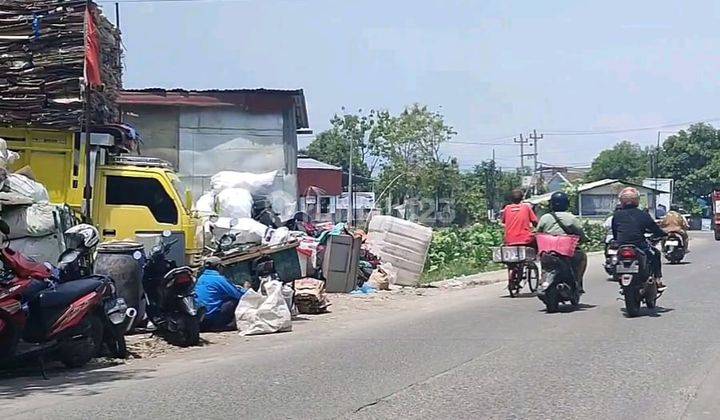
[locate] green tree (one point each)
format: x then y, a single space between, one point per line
626 161
692 158
333 145
409 147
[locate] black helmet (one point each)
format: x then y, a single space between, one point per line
559 201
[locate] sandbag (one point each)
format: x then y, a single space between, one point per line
34 220
254 183
26 187
234 203
205 205
258 314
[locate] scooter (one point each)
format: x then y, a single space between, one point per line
68 322
170 296
674 248
559 282
634 275
611 249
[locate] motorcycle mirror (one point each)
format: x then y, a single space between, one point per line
137 255
166 233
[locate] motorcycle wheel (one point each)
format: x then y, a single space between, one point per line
77 353
632 302
9 336
651 296
188 333
533 277
551 302
575 298
115 342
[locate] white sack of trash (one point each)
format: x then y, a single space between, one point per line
253 183
34 220
260 314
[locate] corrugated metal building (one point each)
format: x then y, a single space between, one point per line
204 132
319 186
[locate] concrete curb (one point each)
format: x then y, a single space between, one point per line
482 279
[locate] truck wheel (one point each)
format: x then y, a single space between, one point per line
717 234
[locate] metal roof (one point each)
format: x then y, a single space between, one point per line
603 182
249 100
309 163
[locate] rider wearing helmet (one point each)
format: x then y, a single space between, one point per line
629 226
676 223
561 222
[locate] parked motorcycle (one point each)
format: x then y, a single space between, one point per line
69 322
170 296
611 249
635 276
674 248
559 282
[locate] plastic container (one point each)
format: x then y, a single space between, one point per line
513 254
117 260
562 245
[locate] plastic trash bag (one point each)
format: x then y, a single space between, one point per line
234 203
205 205
254 183
276 236
24 188
7 157
35 220
246 230
258 314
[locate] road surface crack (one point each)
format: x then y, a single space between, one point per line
425 380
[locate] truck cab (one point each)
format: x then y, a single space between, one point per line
133 198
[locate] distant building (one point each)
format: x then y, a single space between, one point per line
597 200
207 131
319 187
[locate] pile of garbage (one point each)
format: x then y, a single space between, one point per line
34 223
239 204
42 45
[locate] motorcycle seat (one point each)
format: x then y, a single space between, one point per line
66 293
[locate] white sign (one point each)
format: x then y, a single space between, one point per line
363 200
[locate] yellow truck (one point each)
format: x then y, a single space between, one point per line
133 198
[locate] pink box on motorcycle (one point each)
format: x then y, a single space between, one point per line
561 245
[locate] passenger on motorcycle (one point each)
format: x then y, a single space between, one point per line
519 220
674 222
561 222
629 226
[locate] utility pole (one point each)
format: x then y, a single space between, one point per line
351 204
522 142
534 137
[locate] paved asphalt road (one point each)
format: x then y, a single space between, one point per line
461 354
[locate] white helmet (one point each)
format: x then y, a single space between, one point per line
89 233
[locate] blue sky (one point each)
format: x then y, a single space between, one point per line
494 68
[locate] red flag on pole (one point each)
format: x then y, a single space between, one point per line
92 51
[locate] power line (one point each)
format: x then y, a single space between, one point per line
622 130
